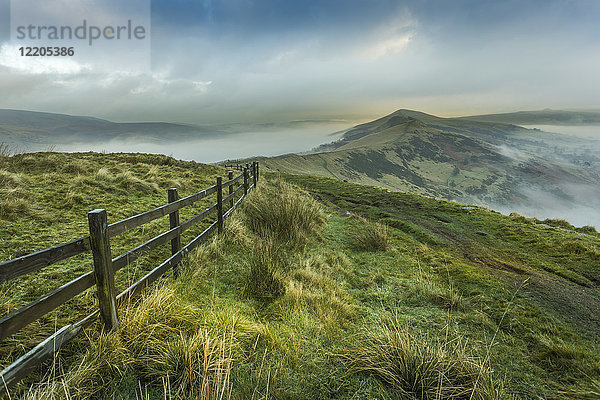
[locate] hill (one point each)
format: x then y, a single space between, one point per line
495 164
317 289
542 117
25 128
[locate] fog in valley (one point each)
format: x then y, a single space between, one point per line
578 131
577 203
250 142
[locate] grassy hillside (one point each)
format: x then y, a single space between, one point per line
322 289
485 163
44 202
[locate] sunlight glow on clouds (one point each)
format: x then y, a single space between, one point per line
224 60
392 45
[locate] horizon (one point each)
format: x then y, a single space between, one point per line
307 121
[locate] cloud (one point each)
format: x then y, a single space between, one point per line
273 60
10 56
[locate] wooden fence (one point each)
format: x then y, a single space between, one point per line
105 266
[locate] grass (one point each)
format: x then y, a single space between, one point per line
265 280
417 366
55 191
293 220
262 312
369 235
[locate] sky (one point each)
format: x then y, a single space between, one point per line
212 61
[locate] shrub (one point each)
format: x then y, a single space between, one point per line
284 213
369 235
419 367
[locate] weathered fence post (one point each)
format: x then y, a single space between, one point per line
103 270
230 177
245 181
220 204
254 173
257 171
174 223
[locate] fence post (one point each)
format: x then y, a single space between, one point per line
103 270
220 204
230 177
245 182
174 223
254 178
257 172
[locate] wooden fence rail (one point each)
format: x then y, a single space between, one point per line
98 242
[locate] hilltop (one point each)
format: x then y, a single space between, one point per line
489 163
318 289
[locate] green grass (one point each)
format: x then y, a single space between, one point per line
44 201
368 235
442 311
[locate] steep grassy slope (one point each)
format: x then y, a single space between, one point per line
458 159
359 294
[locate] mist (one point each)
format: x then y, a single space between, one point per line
578 131
577 204
268 141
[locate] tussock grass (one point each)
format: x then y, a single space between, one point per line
578 248
369 235
163 340
418 366
236 233
104 174
78 167
73 199
429 291
10 180
265 272
13 195
558 222
284 213
13 207
127 181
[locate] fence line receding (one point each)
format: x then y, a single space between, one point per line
105 266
